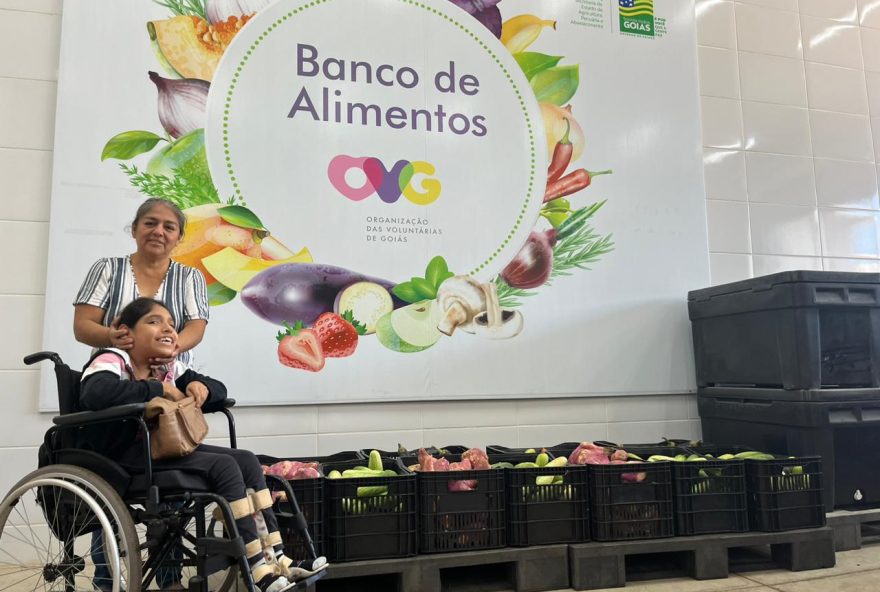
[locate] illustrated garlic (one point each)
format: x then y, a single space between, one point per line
218 11
181 104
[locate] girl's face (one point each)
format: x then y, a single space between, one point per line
154 334
157 232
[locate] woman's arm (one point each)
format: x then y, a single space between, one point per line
191 334
88 329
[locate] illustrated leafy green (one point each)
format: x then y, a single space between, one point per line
418 289
556 85
127 145
533 63
437 271
219 294
240 216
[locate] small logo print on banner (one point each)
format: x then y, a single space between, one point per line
637 17
389 184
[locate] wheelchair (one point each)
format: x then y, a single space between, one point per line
154 521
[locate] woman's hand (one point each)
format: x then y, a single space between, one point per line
171 392
165 361
198 391
119 337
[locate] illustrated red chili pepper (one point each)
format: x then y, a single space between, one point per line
561 155
571 183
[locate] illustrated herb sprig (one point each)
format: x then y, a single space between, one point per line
577 247
186 189
424 288
185 7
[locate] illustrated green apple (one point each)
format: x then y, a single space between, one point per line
410 329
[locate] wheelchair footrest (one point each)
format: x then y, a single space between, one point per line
219 546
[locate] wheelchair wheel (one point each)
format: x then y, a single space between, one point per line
222 580
46 525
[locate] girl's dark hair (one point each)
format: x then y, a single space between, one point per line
158 201
138 309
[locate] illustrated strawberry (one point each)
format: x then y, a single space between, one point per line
300 348
338 334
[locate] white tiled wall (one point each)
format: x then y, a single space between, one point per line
791 180
791 133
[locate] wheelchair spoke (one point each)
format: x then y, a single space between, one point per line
14 584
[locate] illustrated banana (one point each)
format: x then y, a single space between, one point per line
519 32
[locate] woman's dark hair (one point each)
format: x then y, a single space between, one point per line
158 201
138 309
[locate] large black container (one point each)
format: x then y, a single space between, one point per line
795 330
840 425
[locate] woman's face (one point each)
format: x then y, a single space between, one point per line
154 334
157 232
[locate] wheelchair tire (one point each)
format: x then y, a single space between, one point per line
46 521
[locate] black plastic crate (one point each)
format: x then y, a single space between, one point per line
451 520
785 494
542 514
710 497
432 450
561 449
666 447
621 509
796 330
310 497
375 527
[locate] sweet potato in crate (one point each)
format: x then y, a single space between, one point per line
459 510
309 494
631 501
369 517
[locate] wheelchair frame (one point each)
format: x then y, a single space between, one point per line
165 528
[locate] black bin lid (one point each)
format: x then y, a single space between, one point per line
767 282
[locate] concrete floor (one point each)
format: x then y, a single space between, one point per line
856 571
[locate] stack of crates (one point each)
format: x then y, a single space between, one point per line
790 363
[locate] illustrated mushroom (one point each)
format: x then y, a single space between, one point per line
496 322
461 298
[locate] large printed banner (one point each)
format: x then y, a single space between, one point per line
396 199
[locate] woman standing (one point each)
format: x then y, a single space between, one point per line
112 283
149 272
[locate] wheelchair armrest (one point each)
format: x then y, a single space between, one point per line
43 355
218 406
87 417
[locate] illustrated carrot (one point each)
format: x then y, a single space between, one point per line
571 183
561 155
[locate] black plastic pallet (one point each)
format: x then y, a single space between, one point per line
603 565
850 527
524 569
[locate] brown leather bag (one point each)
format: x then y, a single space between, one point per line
179 428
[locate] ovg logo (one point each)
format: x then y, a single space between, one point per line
637 17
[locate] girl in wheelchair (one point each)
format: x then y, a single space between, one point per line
117 377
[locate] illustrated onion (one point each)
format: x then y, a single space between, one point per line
532 265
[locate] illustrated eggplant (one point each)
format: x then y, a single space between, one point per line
301 291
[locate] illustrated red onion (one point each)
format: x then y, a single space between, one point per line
532 265
181 104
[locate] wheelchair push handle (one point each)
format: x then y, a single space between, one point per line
31 359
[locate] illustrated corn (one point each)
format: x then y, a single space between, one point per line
519 32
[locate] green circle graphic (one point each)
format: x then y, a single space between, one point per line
274 25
